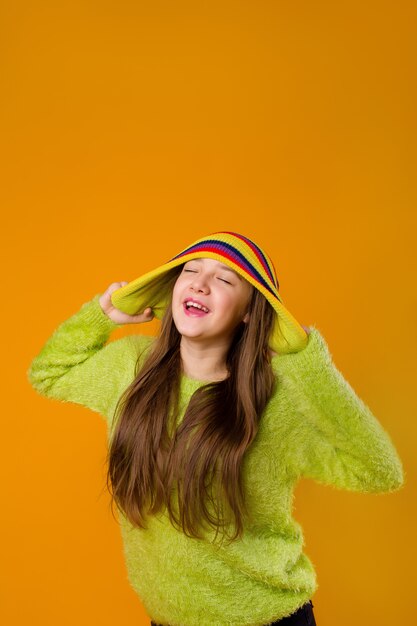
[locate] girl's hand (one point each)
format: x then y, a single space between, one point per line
306 329
118 316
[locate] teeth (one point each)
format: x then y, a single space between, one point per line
197 306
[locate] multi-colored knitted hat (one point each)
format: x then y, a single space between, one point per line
244 257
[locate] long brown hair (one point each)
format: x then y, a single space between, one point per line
151 458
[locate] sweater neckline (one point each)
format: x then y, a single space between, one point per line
188 381
193 382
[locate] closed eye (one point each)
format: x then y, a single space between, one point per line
222 279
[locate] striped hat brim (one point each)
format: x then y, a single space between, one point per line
243 256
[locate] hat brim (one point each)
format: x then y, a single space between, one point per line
153 290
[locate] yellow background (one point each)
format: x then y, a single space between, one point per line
130 129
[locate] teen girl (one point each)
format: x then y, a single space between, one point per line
211 424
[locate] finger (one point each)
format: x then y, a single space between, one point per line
148 312
114 287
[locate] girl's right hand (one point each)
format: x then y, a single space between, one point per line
118 316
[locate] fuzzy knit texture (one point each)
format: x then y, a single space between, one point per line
315 426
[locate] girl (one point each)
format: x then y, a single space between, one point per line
211 424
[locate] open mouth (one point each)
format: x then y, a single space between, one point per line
193 311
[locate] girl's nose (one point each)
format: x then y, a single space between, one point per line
199 283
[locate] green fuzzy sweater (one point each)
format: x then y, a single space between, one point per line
315 426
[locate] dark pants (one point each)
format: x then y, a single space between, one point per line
303 616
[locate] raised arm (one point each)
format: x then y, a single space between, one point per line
341 442
75 365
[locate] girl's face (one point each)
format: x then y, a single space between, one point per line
223 292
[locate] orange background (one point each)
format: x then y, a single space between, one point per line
130 129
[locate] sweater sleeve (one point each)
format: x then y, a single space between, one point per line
75 365
341 442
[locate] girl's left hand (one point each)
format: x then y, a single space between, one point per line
306 329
